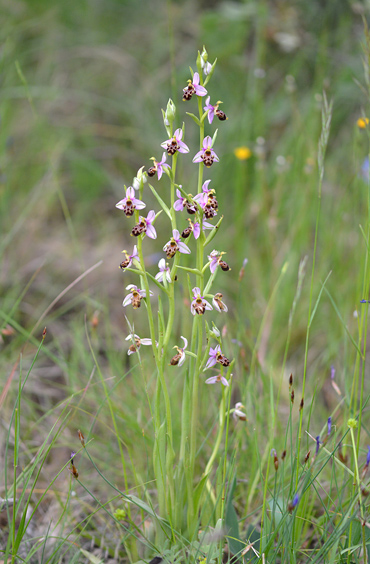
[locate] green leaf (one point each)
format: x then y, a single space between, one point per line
276 506
198 492
343 323
204 116
231 523
159 460
142 505
318 299
214 137
209 75
192 270
199 64
183 192
213 232
160 201
194 118
93 559
168 130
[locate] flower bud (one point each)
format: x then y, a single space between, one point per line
352 423
204 55
215 332
276 460
170 113
139 179
202 62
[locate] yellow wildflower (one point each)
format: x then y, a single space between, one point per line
242 153
362 122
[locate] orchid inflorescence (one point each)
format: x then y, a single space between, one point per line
201 204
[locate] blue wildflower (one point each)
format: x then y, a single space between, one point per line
364 173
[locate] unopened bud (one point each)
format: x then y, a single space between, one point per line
170 112
215 332
342 458
95 320
241 273
307 457
352 423
290 380
73 471
204 55
293 503
329 426
139 179
203 65
292 396
283 455
301 404
276 460
81 437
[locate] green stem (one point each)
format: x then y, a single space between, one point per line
358 483
156 352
